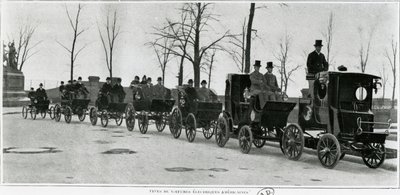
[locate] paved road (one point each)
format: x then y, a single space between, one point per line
79 153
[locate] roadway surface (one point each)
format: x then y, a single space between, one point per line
43 151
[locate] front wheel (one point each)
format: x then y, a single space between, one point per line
190 127
57 113
293 142
374 155
130 117
93 115
118 119
143 122
222 131
208 130
160 122
52 112
245 139
259 143
175 123
104 118
82 115
33 112
24 112
43 114
328 149
68 114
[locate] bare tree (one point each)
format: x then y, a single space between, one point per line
163 53
364 50
384 75
248 38
392 58
328 35
198 17
237 51
108 38
285 70
73 51
25 48
209 63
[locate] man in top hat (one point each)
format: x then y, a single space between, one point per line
41 93
32 95
316 61
118 92
257 79
106 88
159 90
191 95
82 88
271 83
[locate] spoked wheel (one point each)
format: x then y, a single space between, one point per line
68 114
93 115
104 118
259 143
57 113
143 122
175 123
52 112
245 139
119 118
190 127
33 113
208 130
160 122
43 114
130 117
82 115
24 112
293 142
374 155
222 131
328 149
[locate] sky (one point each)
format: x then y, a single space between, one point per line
303 22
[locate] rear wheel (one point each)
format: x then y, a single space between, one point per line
82 115
52 112
328 149
245 139
374 155
104 118
93 115
222 131
190 127
259 143
143 122
130 117
293 142
24 112
57 113
33 112
208 130
175 123
160 122
68 114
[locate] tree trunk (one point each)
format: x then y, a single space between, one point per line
197 60
180 76
248 38
72 57
394 89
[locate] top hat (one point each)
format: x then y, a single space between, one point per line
41 84
32 88
342 68
159 79
270 65
119 79
257 63
318 43
190 81
62 82
79 78
108 78
137 77
203 82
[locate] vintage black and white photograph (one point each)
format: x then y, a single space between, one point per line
199 93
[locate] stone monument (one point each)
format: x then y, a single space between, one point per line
13 79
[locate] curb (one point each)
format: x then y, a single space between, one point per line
348 157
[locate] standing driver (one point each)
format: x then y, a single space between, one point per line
316 63
118 90
41 94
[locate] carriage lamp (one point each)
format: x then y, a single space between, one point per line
182 102
35 101
377 85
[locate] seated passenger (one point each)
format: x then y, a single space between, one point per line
31 95
61 87
136 81
81 88
203 92
41 94
159 91
118 92
191 91
144 80
272 84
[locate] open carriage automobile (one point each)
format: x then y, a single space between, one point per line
38 106
151 103
339 110
244 117
194 111
71 104
107 107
